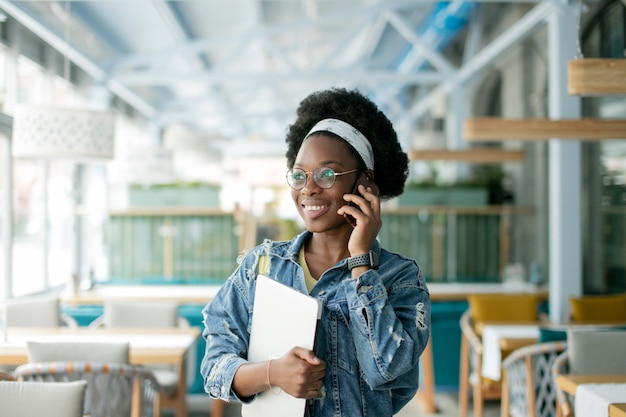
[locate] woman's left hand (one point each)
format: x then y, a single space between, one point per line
367 216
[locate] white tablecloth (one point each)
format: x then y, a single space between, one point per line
594 399
492 355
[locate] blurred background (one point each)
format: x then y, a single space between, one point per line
142 141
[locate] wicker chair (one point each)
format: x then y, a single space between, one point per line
563 399
151 314
108 356
7 376
528 389
113 389
471 363
505 309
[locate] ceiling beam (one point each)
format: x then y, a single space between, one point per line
206 44
408 33
148 78
494 128
516 32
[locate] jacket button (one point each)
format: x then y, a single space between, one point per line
364 289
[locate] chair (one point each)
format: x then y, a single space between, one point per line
78 352
528 389
154 315
36 399
563 399
111 387
37 311
589 351
6 376
96 362
502 308
139 314
598 309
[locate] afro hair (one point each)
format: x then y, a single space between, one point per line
391 163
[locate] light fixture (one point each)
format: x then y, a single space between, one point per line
52 132
62 133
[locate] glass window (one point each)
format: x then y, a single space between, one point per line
28 227
4 200
604 165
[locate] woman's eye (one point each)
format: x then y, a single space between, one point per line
327 173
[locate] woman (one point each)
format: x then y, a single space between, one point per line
376 307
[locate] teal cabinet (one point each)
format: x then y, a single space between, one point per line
446 343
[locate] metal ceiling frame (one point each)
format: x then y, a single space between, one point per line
139 70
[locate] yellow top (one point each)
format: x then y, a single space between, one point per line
308 277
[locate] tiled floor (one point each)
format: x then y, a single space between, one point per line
447 406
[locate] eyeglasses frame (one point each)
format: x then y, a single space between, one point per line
306 173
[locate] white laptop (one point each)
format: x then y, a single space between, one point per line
282 318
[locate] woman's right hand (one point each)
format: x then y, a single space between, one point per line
298 372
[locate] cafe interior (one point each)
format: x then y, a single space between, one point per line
142 151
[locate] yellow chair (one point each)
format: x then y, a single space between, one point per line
487 308
598 309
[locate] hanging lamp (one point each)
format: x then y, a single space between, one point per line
62 133
52 132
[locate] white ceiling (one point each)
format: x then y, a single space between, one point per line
238 68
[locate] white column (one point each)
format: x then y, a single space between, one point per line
564 169
455 117
7 205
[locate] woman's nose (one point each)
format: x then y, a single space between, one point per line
310 186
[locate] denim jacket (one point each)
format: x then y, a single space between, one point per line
372 331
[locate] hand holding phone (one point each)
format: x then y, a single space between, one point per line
364 180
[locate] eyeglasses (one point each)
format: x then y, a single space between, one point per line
324 177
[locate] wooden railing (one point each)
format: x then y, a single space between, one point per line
185 244
453 244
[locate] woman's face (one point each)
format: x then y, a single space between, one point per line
316 205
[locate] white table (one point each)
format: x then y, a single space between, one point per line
570 384
594 399
182 294
492 336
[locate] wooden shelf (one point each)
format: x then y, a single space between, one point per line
491 210
496 128
592 76
474 155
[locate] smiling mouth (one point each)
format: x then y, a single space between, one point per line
314 208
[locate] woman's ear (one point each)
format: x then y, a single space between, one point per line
369 175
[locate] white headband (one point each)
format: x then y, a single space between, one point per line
348 133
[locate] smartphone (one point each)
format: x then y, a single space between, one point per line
365 181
